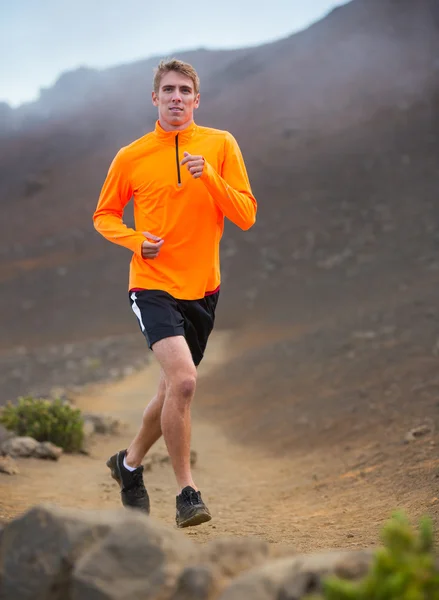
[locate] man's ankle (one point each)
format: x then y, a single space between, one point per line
191 485
129 464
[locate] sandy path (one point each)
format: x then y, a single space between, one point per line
308 502
226 474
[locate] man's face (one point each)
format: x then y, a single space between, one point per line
176 101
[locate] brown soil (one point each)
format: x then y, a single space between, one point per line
300 432
309 500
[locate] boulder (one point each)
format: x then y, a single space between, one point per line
293 578
101 423
47 451
8 466
5 434
58 554
199 582
140 559
19 447
232 556
26 447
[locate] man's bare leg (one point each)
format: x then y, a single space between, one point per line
180 372
150 430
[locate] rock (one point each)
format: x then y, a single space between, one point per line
196 583
5 434
219 562
91 362
88 427
114 373
300 585
20 447
232 556
48 451
104 424
159 458
417 432
128 371
54 554
25 447
59 393
39 549
293 578
139 559
353 566
86 449
8 466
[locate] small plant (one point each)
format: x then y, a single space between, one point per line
403 569
45 421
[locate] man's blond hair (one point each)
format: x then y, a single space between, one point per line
173 64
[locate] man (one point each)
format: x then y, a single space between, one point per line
184 180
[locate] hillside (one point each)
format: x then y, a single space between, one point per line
339 127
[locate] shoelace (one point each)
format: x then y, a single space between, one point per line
137 485
192 497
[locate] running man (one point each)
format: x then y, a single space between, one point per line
184 180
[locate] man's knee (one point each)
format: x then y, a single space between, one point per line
183 385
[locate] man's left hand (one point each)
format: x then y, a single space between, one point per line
195 164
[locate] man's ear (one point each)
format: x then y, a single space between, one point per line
155 99
197 101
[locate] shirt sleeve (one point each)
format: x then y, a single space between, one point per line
115 195
231 189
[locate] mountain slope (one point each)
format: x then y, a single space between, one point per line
338 125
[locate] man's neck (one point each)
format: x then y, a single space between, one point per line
169 128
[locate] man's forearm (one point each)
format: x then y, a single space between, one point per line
112 228
238 206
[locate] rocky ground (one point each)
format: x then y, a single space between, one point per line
63 369
280 523
330 492
117 555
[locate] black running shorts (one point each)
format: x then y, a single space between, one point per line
160 315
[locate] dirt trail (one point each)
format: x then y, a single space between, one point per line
248 492
83 481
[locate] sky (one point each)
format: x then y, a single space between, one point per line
40 39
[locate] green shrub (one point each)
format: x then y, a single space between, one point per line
404 568
45 421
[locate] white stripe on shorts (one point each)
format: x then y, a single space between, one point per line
136 310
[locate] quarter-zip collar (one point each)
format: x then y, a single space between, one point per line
168 137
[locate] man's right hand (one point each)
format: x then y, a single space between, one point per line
151 249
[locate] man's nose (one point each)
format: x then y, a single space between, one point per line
176 96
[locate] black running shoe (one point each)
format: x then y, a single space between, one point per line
191 510
132 488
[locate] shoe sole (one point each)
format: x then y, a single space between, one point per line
114 469
197 519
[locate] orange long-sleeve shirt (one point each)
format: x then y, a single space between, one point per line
187 213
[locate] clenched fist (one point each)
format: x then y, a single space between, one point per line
195 164
151 249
